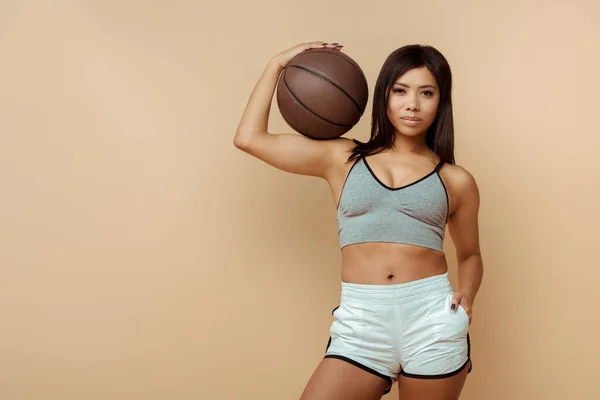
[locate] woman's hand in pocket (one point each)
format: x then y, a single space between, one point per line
465 302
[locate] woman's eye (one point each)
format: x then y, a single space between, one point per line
428 93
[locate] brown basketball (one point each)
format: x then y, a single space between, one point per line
322 93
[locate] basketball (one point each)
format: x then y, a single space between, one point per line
322 93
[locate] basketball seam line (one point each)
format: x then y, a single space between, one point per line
288 122
330 81
352 63
305 134
308 109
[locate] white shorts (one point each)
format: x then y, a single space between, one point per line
406 329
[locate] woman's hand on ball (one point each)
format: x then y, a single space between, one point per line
285 56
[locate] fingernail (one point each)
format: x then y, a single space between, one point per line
334 43
452 307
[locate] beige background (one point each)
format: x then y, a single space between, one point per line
142 256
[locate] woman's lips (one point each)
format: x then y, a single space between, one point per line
408 121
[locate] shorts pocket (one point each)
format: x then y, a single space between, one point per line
349 322
457 320
333 311
465 315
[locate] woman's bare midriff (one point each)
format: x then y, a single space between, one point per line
390 263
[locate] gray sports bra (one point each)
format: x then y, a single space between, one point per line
370 211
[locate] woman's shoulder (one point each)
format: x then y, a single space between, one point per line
458 178
343 143
343 147
458 174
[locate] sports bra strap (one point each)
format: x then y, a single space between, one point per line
439 166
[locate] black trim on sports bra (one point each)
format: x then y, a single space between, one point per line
405 186
345 180
439 166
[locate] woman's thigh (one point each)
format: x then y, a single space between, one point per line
432 389
336 379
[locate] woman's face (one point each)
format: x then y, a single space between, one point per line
414 94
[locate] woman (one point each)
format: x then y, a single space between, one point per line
399 319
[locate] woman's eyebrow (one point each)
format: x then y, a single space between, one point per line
420 87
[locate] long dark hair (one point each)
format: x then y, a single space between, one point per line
440 135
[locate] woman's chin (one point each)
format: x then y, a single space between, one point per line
406 131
